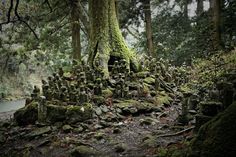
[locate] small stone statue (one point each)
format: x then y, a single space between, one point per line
36 92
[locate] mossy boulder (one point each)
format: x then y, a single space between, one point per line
27 115
39 132
149 80
210 108
79 113
56 113
83 151
107 93
134 107
142 74
99 100
217 138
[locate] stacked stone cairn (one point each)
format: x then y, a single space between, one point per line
86 87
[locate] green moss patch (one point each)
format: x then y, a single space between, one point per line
217 138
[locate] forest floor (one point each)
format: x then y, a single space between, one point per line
129 128
141 134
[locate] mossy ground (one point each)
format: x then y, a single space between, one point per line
217 138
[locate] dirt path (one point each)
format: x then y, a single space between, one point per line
131 135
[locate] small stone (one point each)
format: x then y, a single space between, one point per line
39 132
120 148
149 141
192 111
116 131
98 111
83 151
104 108
2 137
131 110
148 121
97 126
99 136
67 128
78 129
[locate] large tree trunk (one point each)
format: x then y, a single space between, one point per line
106 40
147 12
215 8
76 45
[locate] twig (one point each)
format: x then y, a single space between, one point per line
8 14
21 20
177 133
49 5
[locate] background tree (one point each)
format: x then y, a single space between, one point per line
75 22
148 25
216 35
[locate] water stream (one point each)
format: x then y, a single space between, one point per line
6 106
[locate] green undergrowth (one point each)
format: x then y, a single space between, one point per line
207 71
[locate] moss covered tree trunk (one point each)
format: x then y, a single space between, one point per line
106 40
76 45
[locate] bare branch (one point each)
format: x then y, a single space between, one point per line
23 21
48 4
8 14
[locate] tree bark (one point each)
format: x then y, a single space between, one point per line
106 40
76 44
148 19
186 9
199 7
216 37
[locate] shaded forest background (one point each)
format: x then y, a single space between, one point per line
37 37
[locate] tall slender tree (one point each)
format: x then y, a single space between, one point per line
215 6
148 24
199 7
75 21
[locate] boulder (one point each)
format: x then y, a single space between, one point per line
56 113
210 108
39 132
27 115
107 93
217 138
149 80
79 113
67 128
83 151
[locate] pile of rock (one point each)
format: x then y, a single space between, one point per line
76 96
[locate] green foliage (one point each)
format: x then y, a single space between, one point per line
207 71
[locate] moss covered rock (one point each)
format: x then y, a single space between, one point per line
79 113
83 151
107 93
210 108
133 107
39 132
217 138
56 113
27 115
149 80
